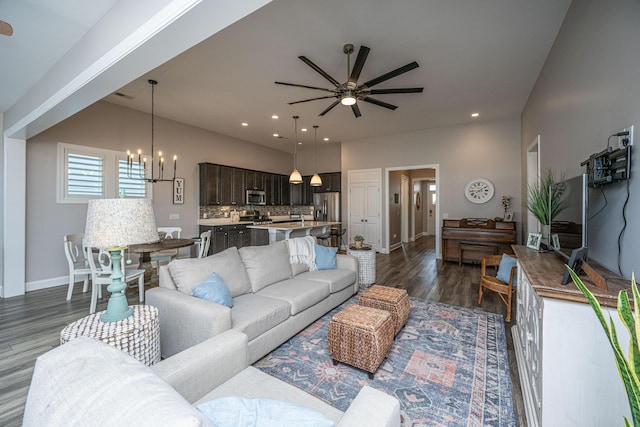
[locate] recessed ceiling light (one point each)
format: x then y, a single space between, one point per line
245 124
303 129
475 114
299 142
274 117
326 139
276 135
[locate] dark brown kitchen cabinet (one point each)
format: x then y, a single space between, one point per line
254 180
273 188
302 194
232 186
285 190
226 236
330 182
238 236
209 184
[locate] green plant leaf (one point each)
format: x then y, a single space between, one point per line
545 199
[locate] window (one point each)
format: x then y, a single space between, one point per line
88 173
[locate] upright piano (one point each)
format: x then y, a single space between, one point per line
469 239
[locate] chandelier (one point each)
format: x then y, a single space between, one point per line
140 171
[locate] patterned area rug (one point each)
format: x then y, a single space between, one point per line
448 367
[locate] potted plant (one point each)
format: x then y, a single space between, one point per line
357 240
545 200
628 367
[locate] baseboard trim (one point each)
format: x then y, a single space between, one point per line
395 246
47 283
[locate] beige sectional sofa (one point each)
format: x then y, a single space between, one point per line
88 383
272 298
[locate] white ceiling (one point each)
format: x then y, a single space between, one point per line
475 56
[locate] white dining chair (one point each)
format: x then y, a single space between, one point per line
101 275
169 254
205 241
77 261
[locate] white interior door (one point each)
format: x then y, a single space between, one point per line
404 209
364 212
432 206
533 176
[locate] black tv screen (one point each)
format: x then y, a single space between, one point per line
569 227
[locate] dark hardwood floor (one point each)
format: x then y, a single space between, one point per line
30 325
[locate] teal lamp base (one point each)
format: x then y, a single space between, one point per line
117 306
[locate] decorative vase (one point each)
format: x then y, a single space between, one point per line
545 233
357 243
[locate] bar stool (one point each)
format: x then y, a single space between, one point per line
324 238
338 234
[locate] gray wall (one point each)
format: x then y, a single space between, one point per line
588 89
106 125
484 149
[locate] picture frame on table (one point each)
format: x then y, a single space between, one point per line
534 240
555 241
508 216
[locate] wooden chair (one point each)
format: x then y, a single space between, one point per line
101 275
169 254
505 290
205 241
77 261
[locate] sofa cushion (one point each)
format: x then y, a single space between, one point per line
299 293
190 272
504 269
214 289
237 411
297 268
87 382
337 279
326 257
266 264
255 314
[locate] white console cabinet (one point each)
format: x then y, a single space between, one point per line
567 369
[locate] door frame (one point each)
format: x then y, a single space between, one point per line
385 235
532 178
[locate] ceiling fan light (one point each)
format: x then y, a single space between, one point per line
295 177
348 99
316 181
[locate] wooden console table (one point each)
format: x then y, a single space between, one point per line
567 370
469 239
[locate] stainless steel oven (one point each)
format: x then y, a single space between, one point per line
256 197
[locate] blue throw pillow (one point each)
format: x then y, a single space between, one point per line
238 412
214 289
504 269
325 257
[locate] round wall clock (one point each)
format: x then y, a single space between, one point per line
479 190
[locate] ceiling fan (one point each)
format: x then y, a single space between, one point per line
5 28
350 92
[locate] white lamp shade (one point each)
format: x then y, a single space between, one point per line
119 222
295 177
316 181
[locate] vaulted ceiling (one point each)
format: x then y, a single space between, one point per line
474 56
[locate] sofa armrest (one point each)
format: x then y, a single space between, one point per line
186 320
372 408
348 262
197 370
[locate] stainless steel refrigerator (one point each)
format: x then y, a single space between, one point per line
326 206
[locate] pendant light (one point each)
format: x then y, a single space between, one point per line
296 176
316 181
141 168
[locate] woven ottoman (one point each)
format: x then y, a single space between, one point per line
395 301
360 336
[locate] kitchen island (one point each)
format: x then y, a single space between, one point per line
288 230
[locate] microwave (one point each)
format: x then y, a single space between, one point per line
256 197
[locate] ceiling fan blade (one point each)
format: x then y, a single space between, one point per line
6 28
400 90
357 66
305 86
312 99
319 70
389 75
356 110
329 108
379 103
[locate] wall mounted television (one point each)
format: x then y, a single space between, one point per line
569 227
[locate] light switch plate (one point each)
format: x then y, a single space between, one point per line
174 216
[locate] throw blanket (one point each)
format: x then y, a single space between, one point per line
302 250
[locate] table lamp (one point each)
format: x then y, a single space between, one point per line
114 224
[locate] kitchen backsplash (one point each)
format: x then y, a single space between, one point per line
220 211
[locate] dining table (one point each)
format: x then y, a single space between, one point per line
146 249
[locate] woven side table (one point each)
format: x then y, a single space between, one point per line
366 257
361 337
393 300
138 335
